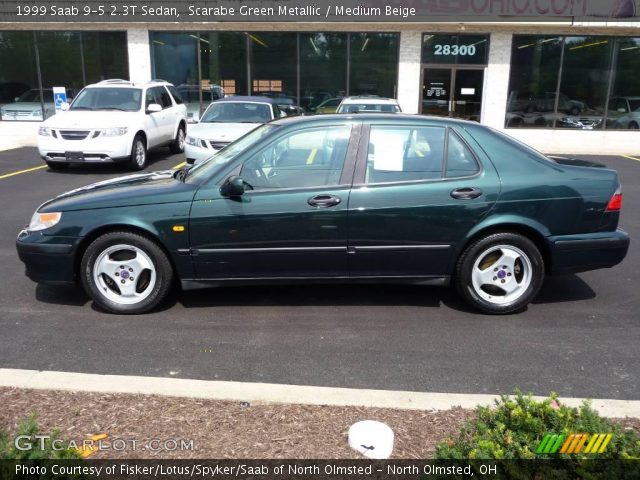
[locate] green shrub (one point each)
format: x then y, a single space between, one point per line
515 426
29 427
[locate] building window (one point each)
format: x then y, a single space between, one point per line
35 62
576 82
302 70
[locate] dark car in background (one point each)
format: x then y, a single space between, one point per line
337 198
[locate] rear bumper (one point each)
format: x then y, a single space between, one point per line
580 253
48 260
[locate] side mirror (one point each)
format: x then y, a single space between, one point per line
232 187
154 108
64 107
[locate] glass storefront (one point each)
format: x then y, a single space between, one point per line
301 70
35 62
578 82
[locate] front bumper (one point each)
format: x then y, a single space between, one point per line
591 251
197 155
47 259
94 150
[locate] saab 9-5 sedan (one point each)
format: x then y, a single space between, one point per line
337 198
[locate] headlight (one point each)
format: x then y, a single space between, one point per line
44 131
41 221
113 132
196 142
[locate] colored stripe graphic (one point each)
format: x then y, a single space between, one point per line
574 443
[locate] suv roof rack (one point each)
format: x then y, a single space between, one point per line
115 80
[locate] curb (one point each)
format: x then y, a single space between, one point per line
276 393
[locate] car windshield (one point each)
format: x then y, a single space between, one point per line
207 168
237 112
125 99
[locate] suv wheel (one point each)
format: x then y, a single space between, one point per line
500 273
138 153
178 143
126 273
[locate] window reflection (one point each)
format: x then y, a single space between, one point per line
374 64
323 69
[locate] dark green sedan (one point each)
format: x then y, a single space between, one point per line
337 198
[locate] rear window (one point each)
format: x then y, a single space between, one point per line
369 107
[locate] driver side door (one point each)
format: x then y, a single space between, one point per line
291 221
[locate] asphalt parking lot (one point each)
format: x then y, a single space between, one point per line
579 338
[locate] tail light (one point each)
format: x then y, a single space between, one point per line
615 203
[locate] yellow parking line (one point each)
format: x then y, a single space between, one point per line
180 165
22 171
632 158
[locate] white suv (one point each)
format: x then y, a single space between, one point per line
115 121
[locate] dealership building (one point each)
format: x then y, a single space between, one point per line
562 86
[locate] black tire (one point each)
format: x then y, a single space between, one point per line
633 126
480 251
57 166
177 146
103 291
138 153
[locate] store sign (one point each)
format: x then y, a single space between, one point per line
59 98
455 49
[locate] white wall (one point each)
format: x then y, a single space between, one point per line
139 55
409 71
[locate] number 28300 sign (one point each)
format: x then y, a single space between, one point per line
469 50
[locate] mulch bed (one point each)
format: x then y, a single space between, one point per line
225 429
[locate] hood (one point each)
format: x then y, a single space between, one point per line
24 106
89 119
131 190
575 162
222 132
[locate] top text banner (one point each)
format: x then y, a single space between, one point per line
188 11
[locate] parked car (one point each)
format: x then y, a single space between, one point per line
624 113
328 106
115 121
28 106
226 120
337 198
191 96
368 103
544 102
286 103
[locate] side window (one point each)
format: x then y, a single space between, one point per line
308 158
175 94
149 98
163 97
460 160
404 154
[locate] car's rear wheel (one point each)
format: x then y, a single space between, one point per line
177 146
500 273
633 126
138 153
126 273
58 166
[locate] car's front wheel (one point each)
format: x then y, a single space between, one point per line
500 273
126 273
138 153
177 146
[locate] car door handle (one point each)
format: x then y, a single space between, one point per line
466 193
324 200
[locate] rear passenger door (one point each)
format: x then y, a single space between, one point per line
418 189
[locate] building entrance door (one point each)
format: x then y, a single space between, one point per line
452 92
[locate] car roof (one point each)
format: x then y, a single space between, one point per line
396 118
370 99
120 83
246 98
